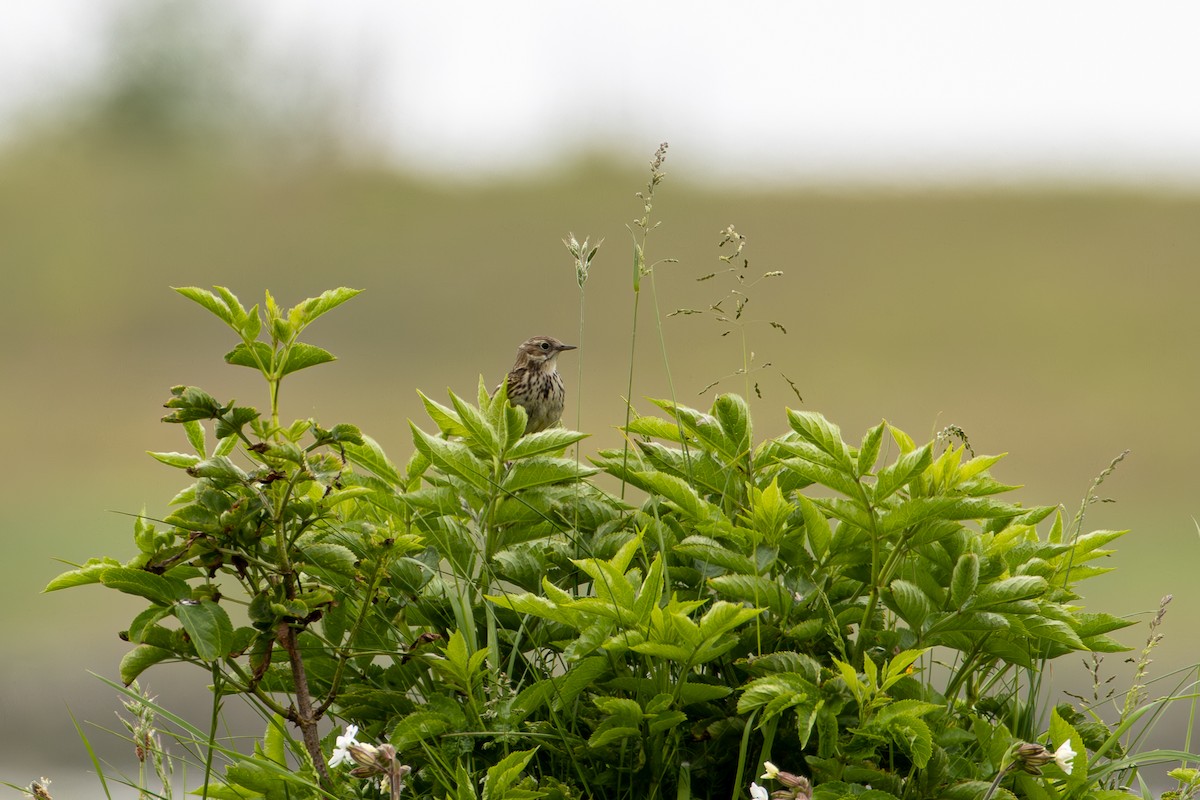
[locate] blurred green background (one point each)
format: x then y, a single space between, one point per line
1054 323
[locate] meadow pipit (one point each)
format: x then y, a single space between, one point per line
534 383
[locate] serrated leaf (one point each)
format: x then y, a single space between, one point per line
815 472
551 440
541 471
816 527
679 492
452 458
710 551
88 573
230 424
505 773
822 433
220 469
156 588
256 355
444 417
777 693
733 414
1061 731
656 427
369 455
208 627
897 474
480 430
912 736
1019 587
330 557
208 300
308 310
301 356
195 436
913 605
1094 624
964 580
868 451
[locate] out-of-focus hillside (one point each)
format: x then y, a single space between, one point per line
1055 325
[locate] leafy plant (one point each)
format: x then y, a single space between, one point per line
494 624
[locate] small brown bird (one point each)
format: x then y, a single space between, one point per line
534 383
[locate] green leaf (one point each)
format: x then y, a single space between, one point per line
542 470
868 451
822 433
256 355
90 572
141 629
1020 587
139 659
723 617
733 414
210 301
452 458
195 435
912 736
816 472
231 424
208 626
191 403
678 492
777 693
710 551
922 509
445 418
308 310
1062 731
329 557
758 590
656 427
897 668
236 309
904 469
1094 624
156 588
480 431
964 579
1053 630
301 356
551 440
370 456
816 526
219 469
913 605
704 427
505 773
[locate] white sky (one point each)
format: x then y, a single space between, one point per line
935 90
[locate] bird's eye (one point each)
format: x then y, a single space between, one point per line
545 345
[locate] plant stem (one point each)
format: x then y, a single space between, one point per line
629 391
302 715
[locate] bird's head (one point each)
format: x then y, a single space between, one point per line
541 351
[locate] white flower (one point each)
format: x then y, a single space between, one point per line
758 793
772 772
341 748
1064 756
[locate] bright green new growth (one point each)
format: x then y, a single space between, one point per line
860 613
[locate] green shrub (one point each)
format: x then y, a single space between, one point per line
869 614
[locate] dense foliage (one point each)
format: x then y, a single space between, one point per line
871 616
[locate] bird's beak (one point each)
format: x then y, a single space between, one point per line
568 347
